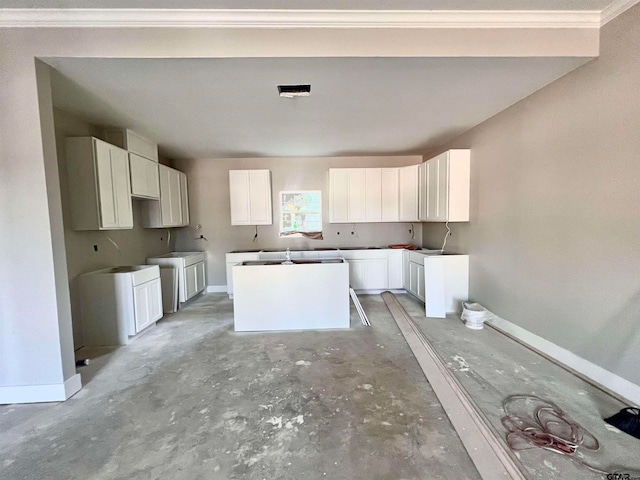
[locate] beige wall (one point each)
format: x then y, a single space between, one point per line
208 181
134 246
554 235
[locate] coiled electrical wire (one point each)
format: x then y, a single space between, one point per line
545 426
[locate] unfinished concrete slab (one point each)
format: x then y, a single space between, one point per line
191 399
490 366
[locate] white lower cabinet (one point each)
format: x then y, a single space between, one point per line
191 271
368 274
441 281
118 303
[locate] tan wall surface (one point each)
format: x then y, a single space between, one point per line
554 235
208 183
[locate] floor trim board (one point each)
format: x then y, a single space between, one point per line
216 289
614 385
485 447
58 392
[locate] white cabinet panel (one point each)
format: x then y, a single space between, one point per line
394 268
446 186
357 195
373 194
133 143
338 195
408 181
370 194
250 197
145 179
368 274
172 210
389 195
99 185
147 304
260 197
184 200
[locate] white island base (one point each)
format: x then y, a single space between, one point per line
304 295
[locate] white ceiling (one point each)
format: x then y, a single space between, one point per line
206 108
202 108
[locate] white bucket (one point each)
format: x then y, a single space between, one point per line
474 315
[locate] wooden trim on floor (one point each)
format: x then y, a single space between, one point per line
488 451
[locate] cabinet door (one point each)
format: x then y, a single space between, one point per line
416 279
357 274
190 281
147 304
437 188
170 202
259 197
394 268
420 282
389 195
409 193
184 200
338 195
368 274
406 280
423 191
357 195
144 177
373 194
122 187
106 188
200 277
239 196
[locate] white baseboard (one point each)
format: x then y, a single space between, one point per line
58 392
610 381
216 289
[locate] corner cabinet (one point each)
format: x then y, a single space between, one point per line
250 197
445 187
172 210
99 188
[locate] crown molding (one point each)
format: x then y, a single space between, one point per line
194 18
616 8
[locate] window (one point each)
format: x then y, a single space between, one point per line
301 214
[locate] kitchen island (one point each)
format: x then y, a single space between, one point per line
296 295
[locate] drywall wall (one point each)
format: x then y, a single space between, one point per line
208 182
114 247
554 234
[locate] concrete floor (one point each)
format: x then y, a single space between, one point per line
491 366
191 399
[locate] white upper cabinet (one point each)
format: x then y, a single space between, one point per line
372 194
99 188
409 186
173 208
250 197
348 194
145 177
445 186
390 195
133 143
143 162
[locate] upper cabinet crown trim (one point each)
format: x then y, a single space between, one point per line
255 18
